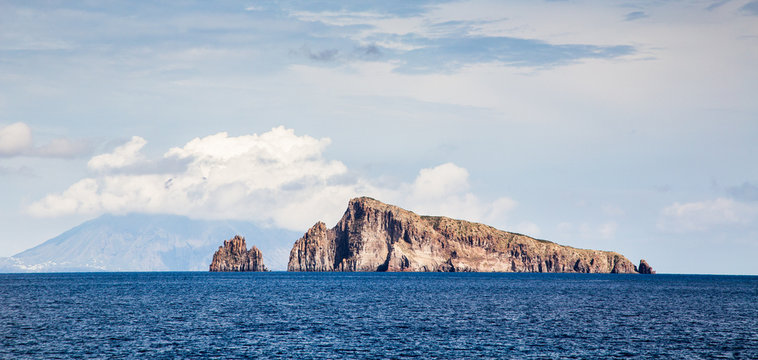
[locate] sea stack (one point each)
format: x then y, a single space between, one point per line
234 256
373 236
644 268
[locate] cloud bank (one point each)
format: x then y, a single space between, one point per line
276 178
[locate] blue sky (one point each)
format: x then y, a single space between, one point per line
627 126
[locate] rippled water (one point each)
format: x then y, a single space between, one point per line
377 315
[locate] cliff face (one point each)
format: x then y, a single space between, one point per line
644 268
234 256
373 236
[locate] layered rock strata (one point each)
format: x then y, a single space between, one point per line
373 236
234 256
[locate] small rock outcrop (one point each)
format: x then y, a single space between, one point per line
373 236
234 256
644 268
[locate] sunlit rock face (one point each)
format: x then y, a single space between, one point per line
373 236
234 256
644 268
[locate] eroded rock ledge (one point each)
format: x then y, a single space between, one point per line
373 236
234 256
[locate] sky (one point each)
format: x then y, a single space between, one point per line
613 125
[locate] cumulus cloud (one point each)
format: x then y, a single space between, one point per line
122 156
443 179
243 177
705 215
16 140
443 190
276 177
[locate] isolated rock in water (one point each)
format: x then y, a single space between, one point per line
373 236
234 256
644 268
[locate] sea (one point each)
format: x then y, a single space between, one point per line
198 315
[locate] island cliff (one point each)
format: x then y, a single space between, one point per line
373 236
234 256
644 268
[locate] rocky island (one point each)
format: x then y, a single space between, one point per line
234 256
373 236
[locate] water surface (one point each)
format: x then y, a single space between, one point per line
377 315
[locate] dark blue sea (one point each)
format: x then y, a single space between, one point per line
377 316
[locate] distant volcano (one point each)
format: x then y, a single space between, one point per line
146 242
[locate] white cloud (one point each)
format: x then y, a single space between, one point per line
276 177
443 179
15 139
124 155
705 215
443 190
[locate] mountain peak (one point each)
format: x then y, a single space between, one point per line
146 242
